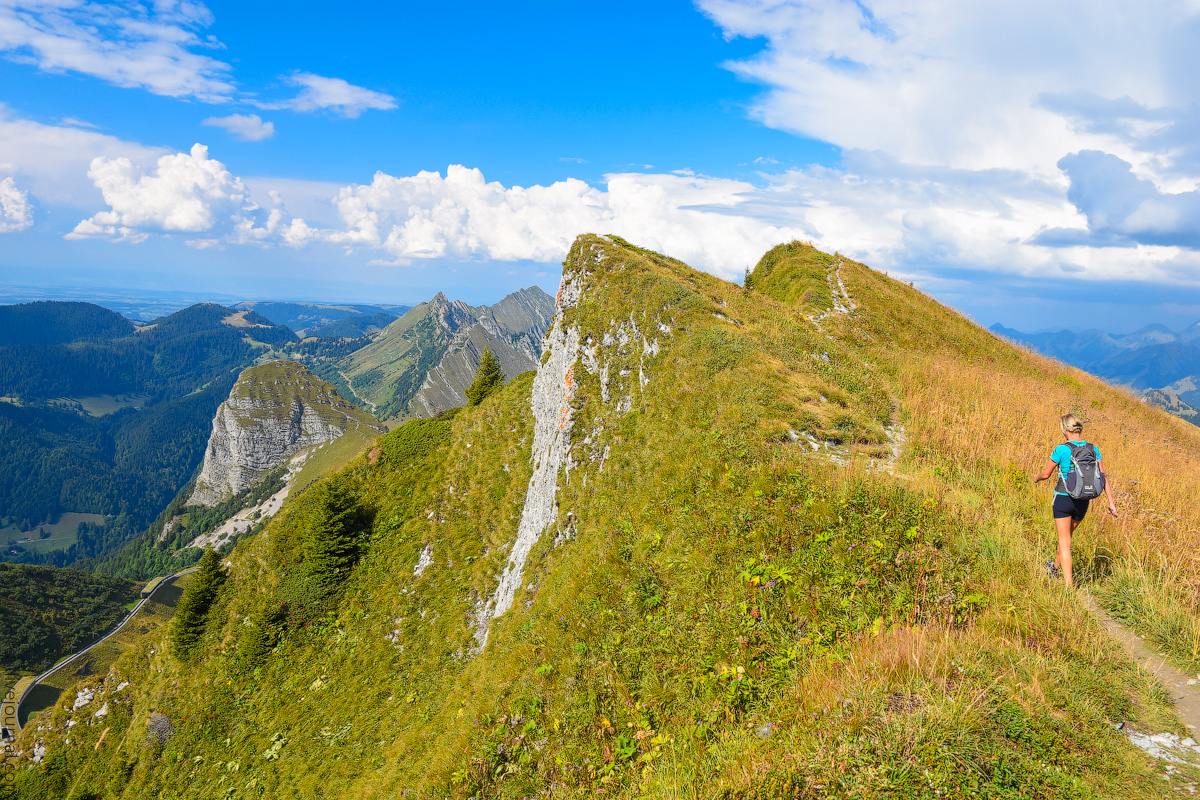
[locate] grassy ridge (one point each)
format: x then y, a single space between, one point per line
743 595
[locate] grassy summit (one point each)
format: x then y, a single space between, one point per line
795 555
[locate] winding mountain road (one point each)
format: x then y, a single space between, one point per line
27 688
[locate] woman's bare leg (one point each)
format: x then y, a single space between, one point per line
1065 527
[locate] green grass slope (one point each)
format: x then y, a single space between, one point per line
386 373
797 274
790 557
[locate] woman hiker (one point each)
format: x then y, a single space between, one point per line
1068 511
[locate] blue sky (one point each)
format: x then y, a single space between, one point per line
1029 164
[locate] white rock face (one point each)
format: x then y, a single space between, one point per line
83 697
553 390
424 561
274 411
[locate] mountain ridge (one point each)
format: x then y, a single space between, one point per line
757 558
422 362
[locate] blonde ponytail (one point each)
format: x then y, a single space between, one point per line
1071 424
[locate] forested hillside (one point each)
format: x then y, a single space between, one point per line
726 543
307 318
45 613
59 322
114 420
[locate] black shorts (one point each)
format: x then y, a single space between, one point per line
1066 506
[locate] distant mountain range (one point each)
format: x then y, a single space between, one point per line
421 363
105 419
1163 364
325 320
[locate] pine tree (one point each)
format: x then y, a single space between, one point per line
488 378
331 533
191 612
256 640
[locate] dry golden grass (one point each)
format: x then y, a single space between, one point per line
978 429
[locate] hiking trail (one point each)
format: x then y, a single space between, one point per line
1184 690
842 302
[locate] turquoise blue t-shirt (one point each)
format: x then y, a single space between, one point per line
1062 457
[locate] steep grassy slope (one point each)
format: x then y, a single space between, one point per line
385 374
792 551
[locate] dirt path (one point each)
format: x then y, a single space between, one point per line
370 406
842 303
1185 695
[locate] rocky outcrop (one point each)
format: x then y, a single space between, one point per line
512 329
275 411
553 390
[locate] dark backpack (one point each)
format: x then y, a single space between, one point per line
1085 481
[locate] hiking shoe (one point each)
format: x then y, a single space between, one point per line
1052 571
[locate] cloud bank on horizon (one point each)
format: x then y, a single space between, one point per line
1020 139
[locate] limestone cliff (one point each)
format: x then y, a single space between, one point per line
274 411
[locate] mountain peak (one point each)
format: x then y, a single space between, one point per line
274 411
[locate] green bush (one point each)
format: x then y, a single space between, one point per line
333 530
413 440
257 638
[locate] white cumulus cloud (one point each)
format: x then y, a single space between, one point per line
994 136
156 46
319 93
53 160
957 85
186 193
716 224
247 127
462 215
16 212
